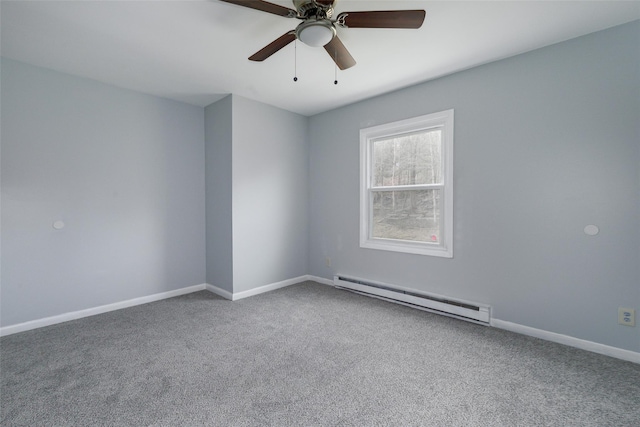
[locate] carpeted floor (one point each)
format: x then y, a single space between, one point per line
305 355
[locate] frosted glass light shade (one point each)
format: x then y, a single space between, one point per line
316 34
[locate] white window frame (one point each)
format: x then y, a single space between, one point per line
442 120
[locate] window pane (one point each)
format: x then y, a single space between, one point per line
407 215
408 159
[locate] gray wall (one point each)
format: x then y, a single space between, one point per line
270 184
545 143
123 170
257 211
218 160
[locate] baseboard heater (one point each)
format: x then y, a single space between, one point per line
464 310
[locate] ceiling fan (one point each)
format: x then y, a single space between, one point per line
319 29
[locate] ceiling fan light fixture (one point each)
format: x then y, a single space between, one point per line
315 33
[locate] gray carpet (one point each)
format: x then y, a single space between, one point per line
304 355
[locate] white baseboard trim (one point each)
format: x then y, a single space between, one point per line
616 352
219 291
278 285
267 288
48 321
321 280
65 317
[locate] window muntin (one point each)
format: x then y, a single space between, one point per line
406 189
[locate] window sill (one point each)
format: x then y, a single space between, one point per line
407 247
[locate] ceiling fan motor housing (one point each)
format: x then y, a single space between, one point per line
320 9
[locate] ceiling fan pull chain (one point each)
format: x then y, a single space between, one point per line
335 70
295 60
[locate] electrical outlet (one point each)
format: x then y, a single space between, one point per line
627 316
327 262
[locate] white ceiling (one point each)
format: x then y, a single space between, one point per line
196 51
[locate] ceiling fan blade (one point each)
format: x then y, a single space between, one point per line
339 54
382 19
264 6
273 47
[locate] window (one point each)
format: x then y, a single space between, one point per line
406 186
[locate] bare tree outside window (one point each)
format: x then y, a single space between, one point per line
406 161
406 185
